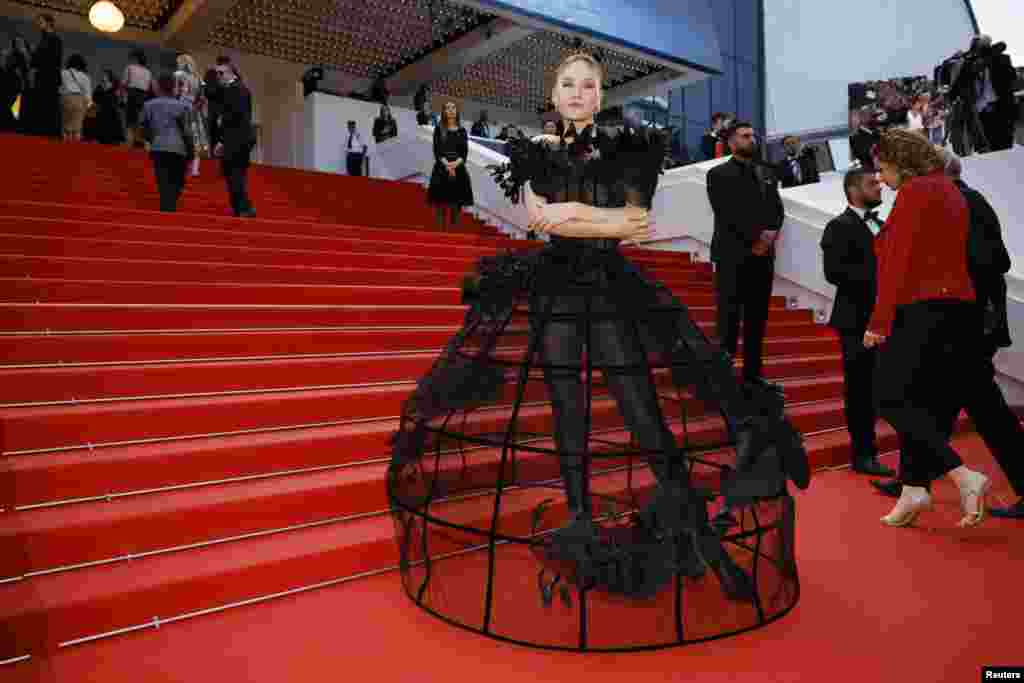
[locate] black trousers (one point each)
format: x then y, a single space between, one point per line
983 400
354 163
859 394
921 375
612 344
169 169
744 292
236 176
998 123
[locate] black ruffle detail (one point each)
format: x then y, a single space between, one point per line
670 535
498 281
526 161
629 157
769 450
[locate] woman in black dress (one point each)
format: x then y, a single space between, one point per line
573 365
449 183
384 126
108 123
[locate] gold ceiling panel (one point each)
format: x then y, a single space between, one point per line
376 38
367 38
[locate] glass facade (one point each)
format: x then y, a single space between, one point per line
737 90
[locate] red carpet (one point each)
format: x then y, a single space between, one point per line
878 604
195 412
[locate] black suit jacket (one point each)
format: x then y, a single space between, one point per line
1003 77
48 60
988 261
707 145
745 199
850 265
808 169
236 131
861 143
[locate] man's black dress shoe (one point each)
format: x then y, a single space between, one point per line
873 467
1015 511
762 383
892 488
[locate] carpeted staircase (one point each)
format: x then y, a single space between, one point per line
195 409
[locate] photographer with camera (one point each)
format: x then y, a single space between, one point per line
980 84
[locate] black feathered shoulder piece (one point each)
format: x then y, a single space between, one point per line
634 154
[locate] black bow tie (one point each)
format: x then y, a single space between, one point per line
873 217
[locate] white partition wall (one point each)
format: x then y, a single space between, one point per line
326 118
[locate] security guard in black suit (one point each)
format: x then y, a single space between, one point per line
744 195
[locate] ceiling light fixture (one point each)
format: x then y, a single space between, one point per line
105 16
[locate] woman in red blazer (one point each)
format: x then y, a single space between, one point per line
927 319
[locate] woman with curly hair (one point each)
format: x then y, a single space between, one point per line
925 319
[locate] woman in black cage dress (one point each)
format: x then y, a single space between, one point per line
468 463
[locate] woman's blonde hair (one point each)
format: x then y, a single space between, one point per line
188 61
909 152
574 57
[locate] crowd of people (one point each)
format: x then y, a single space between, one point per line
179 116
912 103
970 104
920 309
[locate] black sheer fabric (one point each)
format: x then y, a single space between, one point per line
554 473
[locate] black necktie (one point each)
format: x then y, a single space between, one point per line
350 140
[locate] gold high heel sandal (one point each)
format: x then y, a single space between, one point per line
909 512
972 519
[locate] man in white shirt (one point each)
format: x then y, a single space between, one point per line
355 150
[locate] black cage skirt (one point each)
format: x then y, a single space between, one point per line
555 471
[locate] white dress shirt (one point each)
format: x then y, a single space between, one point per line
872 225
75 82
354 143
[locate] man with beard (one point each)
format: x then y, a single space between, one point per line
748 216
800 167
850 265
